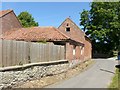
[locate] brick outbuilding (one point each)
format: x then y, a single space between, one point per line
77 44
81 48
8 20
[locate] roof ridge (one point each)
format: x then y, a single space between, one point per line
48 34
38 27
75 25
7 11
63 22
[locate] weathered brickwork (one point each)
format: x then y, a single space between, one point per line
81 51
9 21
74 33
88 48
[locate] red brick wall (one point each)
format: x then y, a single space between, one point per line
78 52
9 21
69 51
75 32
88 49
82 53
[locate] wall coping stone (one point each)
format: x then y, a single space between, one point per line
17 67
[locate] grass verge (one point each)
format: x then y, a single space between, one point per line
115 81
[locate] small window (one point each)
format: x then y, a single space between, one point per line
68 29
67 24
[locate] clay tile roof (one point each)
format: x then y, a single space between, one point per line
35 34
4 12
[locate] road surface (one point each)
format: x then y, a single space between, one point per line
97 76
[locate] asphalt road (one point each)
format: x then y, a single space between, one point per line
97 76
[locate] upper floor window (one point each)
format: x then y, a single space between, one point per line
68 29
67 24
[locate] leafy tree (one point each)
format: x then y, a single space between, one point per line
102 24
27 20
84 19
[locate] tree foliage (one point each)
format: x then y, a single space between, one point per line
102 24
27 20
84 19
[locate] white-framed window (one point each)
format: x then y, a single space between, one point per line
74 50
82 50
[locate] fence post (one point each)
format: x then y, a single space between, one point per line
29 59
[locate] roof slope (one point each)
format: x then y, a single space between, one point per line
4 12
35 34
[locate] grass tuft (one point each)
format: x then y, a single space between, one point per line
116 80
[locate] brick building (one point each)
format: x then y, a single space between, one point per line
8 20
81 47
77 44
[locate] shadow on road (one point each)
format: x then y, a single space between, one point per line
107 71
101 55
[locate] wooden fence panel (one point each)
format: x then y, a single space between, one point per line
47 53
50 50
41 49
8 53
55 52
1 53
43 53
32 49
40 52
26 53
34 52
4 54
37 52
14 53
19 52
61 52
58 53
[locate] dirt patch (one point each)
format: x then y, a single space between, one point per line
48 80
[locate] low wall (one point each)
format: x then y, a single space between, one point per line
13 76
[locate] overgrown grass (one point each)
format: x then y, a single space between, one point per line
116 80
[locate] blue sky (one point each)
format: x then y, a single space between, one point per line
49 13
